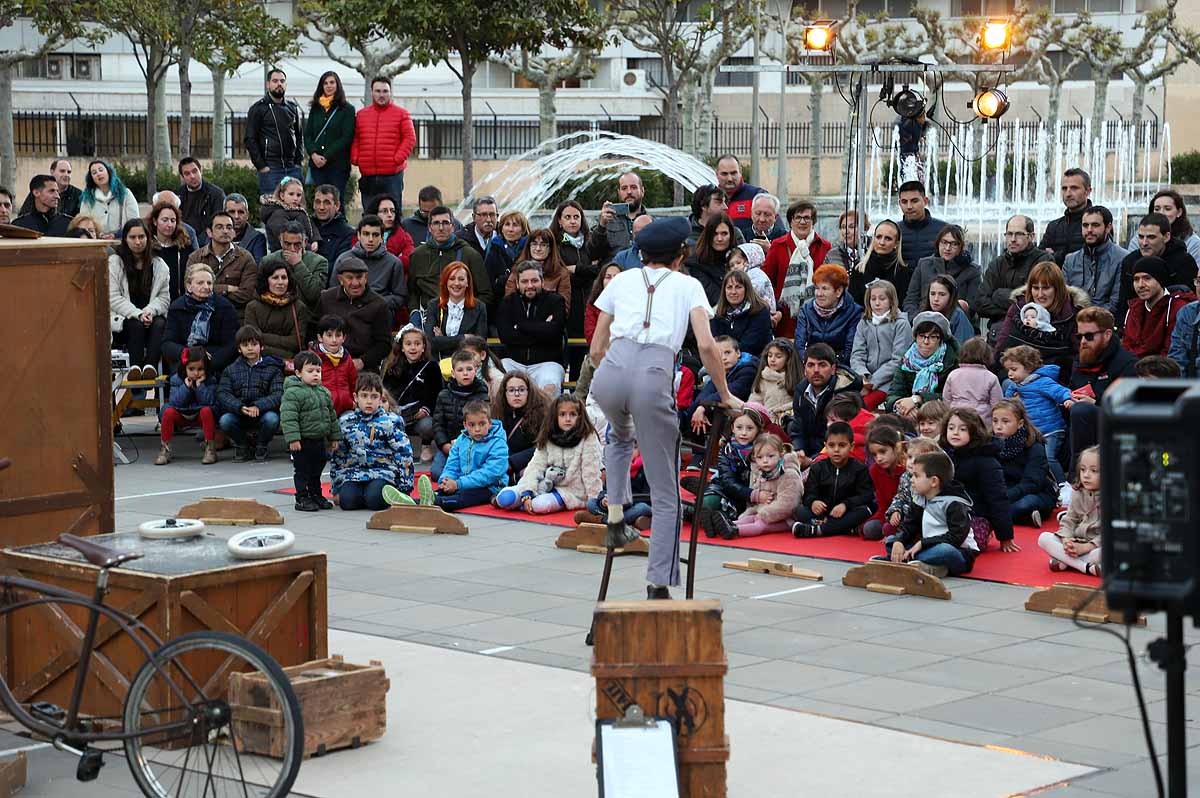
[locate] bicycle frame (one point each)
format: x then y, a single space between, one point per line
131 626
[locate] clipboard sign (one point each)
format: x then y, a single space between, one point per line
636 757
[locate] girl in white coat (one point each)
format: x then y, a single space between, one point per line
139 294
565 470
107 200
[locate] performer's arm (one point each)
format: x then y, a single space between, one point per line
600 337
710 355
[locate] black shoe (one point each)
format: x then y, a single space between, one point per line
704 521
689 511
322 503
306 505
657 592
618 534
800 529
260 454
690 483
243 454
718 525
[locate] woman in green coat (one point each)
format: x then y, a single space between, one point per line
923 369
328 134
279 314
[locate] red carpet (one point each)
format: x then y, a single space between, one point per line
1026 567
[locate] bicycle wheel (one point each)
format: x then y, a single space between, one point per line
222 748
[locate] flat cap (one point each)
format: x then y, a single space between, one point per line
664 237
351 264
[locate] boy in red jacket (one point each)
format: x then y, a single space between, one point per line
338 373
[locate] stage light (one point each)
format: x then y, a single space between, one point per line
908 103
818 36
996 34
990 104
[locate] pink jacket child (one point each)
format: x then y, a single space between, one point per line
973 385
784 489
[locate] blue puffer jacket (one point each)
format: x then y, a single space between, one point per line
733 475
837 330
188 401
961 327
479 464
1043 396
243 384
740 380
373 447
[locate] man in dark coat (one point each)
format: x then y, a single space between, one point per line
368 319
478 233
822 381
44 218
337 236
918 228
245 235
1101 362
1064 235
738 193
532 324
1155 241
274 134
198 199
1008 270
68 195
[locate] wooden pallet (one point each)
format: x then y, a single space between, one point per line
417 519
589 539
218 511
895 579
774 568
12 775
1063 598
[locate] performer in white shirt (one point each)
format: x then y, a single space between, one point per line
644 316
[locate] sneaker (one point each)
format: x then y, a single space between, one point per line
721 526
425 490
394 496
210 453
940 571
323 503
426 454
1064 494
658 592
586 517
1056 566
306 505
261 454
149 373
1036 517
134 374
897 552
164 454
243 454
800 529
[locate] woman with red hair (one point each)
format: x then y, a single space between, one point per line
455 312
831 316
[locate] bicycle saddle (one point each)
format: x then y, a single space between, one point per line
96 554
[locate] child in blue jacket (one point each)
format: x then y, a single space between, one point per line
740 371
477 466
374 452
1044 396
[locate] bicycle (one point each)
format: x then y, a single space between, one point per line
180 734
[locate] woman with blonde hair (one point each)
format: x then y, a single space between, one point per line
504 249
884 261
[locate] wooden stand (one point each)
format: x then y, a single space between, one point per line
589 539
667 657
1062 600
774 568
12 775
896 579
343 706
231 512
418 519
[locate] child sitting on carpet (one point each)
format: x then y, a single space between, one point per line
1077 542
414 381
930 417
969 443
838 494
775 486
477 466
936 533
880 341
1022 454
886 444
973 384
740 370
490 369
192 401
374 453
565 469
777 379
897 509
464 387
637 514
727 493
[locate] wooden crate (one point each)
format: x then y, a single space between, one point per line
61 479
178 587
343 706
667 657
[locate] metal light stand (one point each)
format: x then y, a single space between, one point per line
1170 654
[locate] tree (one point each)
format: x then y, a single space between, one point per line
57 24
547 72
1186 47
734 26
464 37
1045 35
360 24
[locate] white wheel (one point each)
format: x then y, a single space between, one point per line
171 528
259 544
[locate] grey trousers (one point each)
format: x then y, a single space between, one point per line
634 386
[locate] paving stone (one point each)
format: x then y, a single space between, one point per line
945 640
789 678
350 604
507 602
887 694
509 631
1033 625
1004 715
1108 732
1048 656
919 609
1068 752
979 677
870 658
805 703
753 695
430 617
943 731
849 625
1078 692
775 643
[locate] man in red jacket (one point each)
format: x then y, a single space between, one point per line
383 138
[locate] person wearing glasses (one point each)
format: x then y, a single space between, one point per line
478 233
791 261
1101 361
1010 269
234 271
427 261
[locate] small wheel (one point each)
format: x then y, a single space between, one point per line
212 715
170 528
259 544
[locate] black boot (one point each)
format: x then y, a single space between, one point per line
657 592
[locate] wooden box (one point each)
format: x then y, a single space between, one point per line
343 706
179 586
667 657
59 386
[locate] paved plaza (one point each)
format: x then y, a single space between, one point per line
483 636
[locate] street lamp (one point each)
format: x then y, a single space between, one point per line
996 34
818 36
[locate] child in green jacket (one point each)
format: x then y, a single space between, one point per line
308 421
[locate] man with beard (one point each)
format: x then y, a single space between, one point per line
532 324
68 195
1100 362
707 202
274 136
823 379
309 270
1151 316
614 232
368 320
427 261
336 234
384 137
478 233
244 233
417 226
1064 235
1008 270
1096 267
1154 240
198 198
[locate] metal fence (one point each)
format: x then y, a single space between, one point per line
112 135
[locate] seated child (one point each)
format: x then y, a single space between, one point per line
464 387
1044 396
309 425
1077 542
897 509
374 452
1157 367
777 379
1032 492
848 407
969 444
191 402
414 381
477 466
776 485
338 372
565 469
838 494
936 532
740 370
727 493
880 341
886 444
249 394
930 418
922 372
973 384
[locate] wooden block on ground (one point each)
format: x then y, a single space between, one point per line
589 539
226 512
895 578
639 546
12 775
775 568
419 519
1062 600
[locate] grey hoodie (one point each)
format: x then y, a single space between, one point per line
1097 271
946 518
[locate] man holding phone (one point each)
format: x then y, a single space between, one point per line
614 230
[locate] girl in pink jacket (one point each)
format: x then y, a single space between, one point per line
972 384
776 485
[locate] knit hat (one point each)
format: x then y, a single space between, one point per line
1155 267
933 317
755 256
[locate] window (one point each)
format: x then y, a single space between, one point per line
1095 6
736 78
981 8
62 66
653 68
